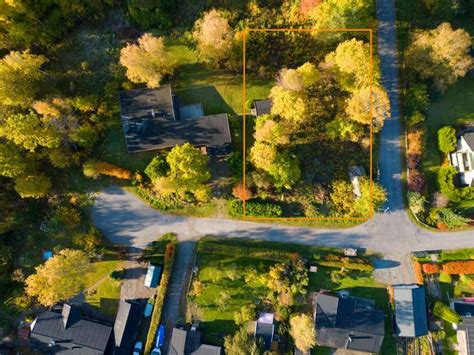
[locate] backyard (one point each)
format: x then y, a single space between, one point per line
237 270
455 108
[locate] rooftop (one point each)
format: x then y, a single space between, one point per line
410 311
348 323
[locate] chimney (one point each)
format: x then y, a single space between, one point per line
66 313
70 315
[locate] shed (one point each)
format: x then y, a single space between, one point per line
152 278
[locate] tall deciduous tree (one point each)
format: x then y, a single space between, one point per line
262 155
342 14
146 62
19 78
59 278
29 132
289 105
12 163
214 37
302 331
241 343
441 54
351 61
358 106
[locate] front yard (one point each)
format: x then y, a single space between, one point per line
234 273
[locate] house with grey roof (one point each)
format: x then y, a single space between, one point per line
187 342
463 158
125 329
465 330
154 119
69 331
411 318
348 323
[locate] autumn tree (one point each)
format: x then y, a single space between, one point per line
19 78
262 155
359 106
241 192
241 343
441 54
34 186
146 62
59 278
344 129
351 62
303 332
270 131
12 162
29 132
214 37
342 14
289 105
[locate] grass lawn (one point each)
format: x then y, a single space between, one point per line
107 295
238 268
455 107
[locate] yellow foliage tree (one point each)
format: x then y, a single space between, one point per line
302 331
358 106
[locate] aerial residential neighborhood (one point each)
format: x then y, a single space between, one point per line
239 177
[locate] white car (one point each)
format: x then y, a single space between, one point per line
137 349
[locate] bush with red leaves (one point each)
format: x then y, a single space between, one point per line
416 181
431 268
413 161
459 267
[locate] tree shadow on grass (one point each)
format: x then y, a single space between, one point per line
211 100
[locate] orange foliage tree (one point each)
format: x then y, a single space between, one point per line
418 272
430 268
241 192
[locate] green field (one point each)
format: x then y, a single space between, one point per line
454 107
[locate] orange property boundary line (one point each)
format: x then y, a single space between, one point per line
245 32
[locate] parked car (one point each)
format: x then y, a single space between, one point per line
137 349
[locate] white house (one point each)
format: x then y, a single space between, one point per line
463 158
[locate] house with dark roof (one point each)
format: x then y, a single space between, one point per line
126 327
265 329
153 119
261 107
69 332
411 318
463 158
187 342
348 323
465 330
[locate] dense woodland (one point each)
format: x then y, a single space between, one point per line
58 103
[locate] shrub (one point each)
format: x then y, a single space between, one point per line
415 119
416 99
417 202
431 268
447 139
459 267
241 192
439 200
442 311
415 142
452 219
444 277
418 272
416 181
255 209
445 181
413 161
94 168
157 168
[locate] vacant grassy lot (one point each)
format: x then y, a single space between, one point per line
454 108
103 291
238 269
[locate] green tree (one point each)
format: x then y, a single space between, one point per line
285 170
447 139
371 198
85 136
12 162
19 78
245 314
442 311
441 54
152 13
59 278
188 167
29 132
303 332
214 37
157 168
343 14
241 343
344 129
35 186
147 62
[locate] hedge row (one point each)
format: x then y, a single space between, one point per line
346 265
160 297
459 267
252 252
431 268
94 168
417 268
254 209
161 204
